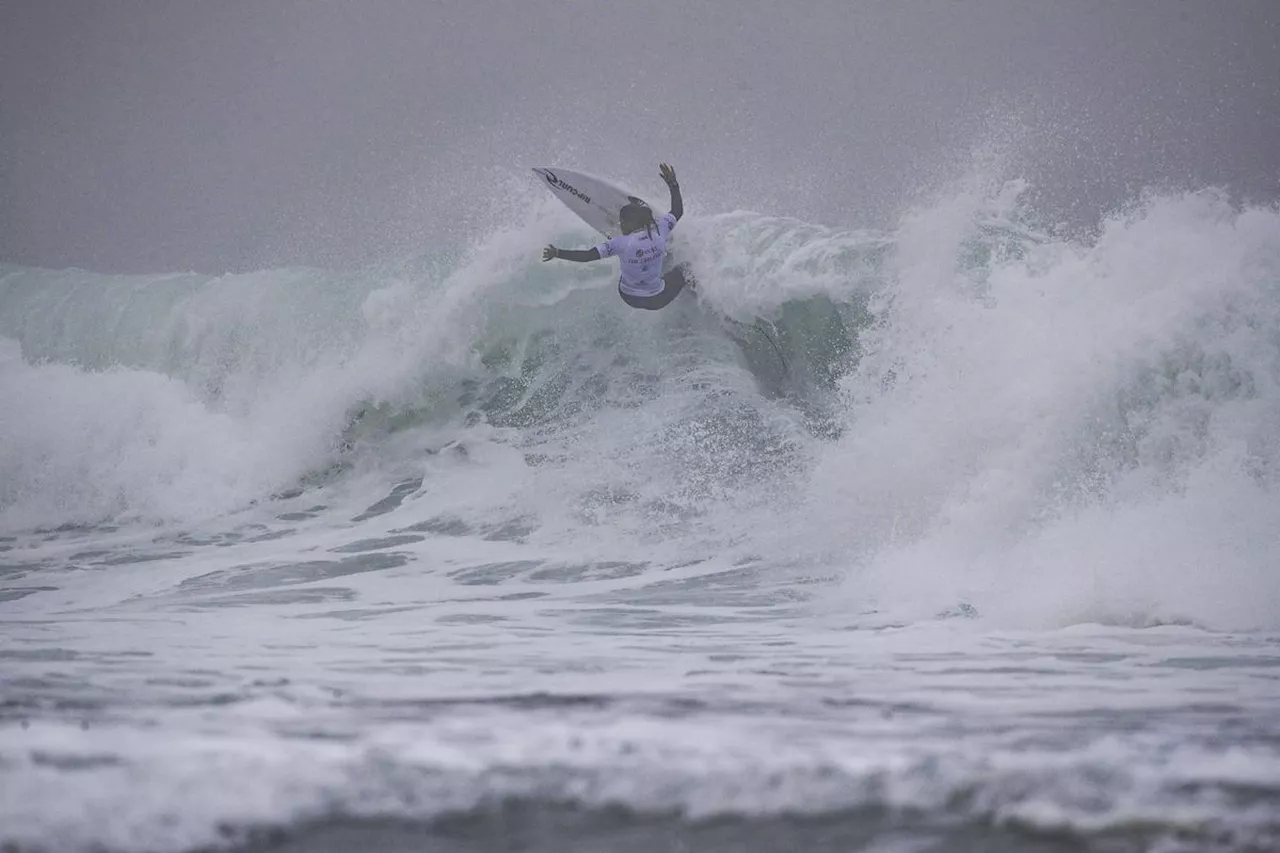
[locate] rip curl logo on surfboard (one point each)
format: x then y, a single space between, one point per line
569 188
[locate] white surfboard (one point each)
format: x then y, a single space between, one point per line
595 200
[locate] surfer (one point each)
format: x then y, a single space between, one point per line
640 248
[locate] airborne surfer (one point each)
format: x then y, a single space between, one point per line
641 248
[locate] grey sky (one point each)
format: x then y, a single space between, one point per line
150 135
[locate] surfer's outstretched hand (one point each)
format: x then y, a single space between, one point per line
549 253
668 173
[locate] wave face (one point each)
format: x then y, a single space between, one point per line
967 399
959 536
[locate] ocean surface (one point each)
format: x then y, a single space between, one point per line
961 536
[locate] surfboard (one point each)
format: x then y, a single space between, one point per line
595 200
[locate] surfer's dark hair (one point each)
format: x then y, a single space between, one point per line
638 213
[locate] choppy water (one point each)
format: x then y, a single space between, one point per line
960 537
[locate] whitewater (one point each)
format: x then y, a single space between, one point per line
956 536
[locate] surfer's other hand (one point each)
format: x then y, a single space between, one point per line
667 172
549 253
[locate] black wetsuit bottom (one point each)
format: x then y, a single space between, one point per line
672 283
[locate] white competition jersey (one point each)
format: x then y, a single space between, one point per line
641 255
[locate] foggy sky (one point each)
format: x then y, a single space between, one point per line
159 135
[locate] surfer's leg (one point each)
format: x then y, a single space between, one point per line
644 303
672 283
689 281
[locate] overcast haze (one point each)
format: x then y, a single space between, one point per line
215 136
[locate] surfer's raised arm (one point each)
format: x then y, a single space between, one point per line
669 176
